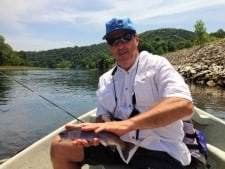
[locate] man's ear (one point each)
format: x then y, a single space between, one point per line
137 38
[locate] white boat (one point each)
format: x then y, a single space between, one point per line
37 155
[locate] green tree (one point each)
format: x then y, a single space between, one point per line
10 57
5 52
220 33
201 34
64 64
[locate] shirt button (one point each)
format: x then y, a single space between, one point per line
133 137
129 105
126 88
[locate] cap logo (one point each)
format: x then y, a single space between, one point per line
116 25
120 22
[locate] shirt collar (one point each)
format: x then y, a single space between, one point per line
133 67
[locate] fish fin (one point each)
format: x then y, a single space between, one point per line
125 151
103 143
112 147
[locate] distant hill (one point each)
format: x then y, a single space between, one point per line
70 57
166 40
168 34
97 56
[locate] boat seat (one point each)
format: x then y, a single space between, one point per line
201 119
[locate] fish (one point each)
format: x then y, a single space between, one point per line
105 138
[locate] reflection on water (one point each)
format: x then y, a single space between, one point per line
210 99
26 117
4 89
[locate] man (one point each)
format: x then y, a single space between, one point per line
145 98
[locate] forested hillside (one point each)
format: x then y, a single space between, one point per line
158 41
94 56
166 40
97 56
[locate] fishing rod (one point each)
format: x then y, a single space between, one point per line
46 99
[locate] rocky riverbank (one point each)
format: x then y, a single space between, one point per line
205 65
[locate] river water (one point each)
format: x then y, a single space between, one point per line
35 102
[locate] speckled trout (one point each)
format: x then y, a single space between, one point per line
105 138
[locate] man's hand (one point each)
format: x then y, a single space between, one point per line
81 142
117 127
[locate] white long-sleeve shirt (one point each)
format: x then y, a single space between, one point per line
151 78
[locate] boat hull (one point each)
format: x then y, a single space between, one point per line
37 155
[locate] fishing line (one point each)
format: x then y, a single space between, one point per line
46 99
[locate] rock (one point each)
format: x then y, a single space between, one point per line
211 83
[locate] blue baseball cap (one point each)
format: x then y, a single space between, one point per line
118 23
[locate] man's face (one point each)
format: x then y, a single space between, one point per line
123 45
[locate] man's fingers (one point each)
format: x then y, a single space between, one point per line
95 141
85 143
74 126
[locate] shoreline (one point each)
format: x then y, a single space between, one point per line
21 68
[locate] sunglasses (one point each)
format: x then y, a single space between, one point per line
123 39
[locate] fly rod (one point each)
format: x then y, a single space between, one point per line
46 99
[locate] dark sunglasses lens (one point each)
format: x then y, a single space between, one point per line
112 41
124 39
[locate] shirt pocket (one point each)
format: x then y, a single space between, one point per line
106 97
146 91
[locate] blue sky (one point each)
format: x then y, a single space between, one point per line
47 24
